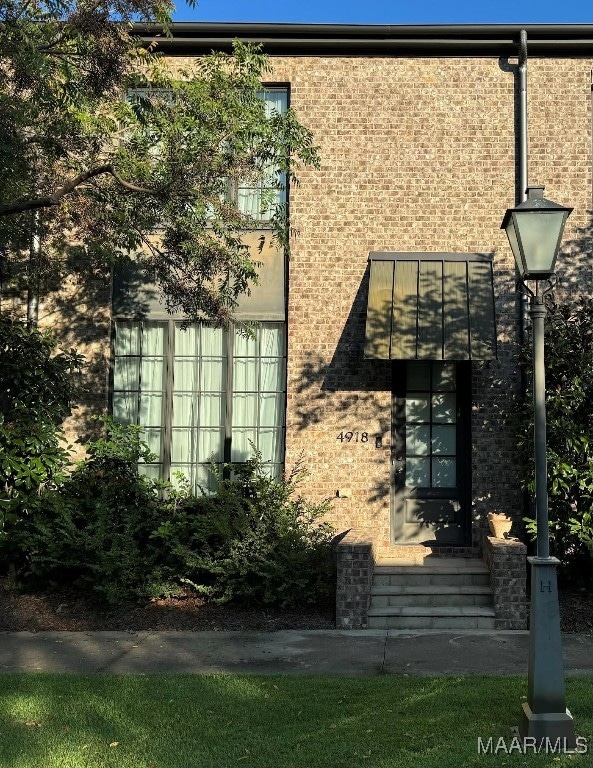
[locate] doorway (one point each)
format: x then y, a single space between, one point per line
430 453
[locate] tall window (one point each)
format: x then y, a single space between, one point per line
203 395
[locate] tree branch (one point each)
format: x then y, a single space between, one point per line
56 197
128 185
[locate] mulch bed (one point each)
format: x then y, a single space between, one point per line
63 611
576 611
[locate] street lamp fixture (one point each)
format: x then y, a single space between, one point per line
534 229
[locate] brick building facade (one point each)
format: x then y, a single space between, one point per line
418 137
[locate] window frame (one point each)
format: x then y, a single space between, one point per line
164 460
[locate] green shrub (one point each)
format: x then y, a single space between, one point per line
256 541
37 388
569 407
95 533
111 532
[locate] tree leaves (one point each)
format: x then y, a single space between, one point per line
108 173
569 395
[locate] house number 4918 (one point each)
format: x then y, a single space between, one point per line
353 437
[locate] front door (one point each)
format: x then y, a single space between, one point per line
430 449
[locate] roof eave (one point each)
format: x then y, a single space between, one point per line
544 40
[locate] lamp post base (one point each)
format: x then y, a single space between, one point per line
552 729
545 716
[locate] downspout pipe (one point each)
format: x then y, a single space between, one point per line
521 192
521 196
523 181
33 273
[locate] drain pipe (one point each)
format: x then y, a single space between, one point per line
521 193
33 274
521 196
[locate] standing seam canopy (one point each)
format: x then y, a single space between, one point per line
430 306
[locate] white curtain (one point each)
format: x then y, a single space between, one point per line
199 394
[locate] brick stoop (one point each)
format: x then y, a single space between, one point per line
439 593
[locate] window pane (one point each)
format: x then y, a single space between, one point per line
151 409
245 375
271 409
186 375
418 473
443 377
211 442
153 341
417 440
212 375
443 440
206 479
443 473
244 409
249 201
125 407
184 445
270 444
417 408
275 101
211 412
153 471
272 340
186 471
418 375
187 341
127 338
154 439
272 375
241 450
212 341
126 373
152 375
246 346
185 410
273 470
443 409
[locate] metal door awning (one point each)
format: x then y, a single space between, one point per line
430 306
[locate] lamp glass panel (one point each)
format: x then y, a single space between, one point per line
514 243
539 234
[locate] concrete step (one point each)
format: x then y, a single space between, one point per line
420 576
419 617
444 566
439 593
431 562
431 595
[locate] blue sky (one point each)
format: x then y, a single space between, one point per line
392 11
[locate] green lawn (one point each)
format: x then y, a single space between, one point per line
267 722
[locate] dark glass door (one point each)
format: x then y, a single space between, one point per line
430 450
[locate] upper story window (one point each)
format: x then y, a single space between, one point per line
260 201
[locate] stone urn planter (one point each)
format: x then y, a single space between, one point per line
500 524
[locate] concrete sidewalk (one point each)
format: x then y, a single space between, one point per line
352 653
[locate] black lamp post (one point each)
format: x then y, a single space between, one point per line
534 229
